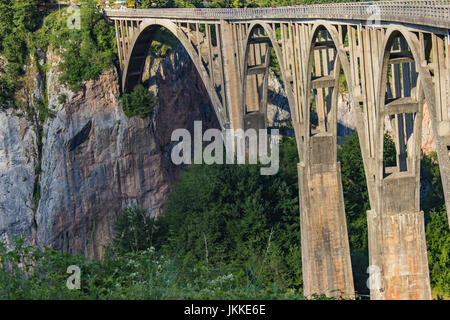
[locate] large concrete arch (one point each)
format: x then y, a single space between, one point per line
322 24
340 59
140 38
274 43
427 85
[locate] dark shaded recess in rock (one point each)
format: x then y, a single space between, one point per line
80 137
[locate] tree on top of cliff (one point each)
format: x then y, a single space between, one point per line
90 50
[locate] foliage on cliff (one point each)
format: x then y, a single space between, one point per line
19 19
26 31
87 48
139 102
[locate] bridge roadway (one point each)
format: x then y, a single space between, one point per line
395 57
427 13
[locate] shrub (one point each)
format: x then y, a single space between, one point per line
134 230
62 98
140 102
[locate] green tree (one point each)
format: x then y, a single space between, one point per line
140 102
134 230
356 201
438 246
158 3
88 51
26 14
232 215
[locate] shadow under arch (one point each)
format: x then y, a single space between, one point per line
140 44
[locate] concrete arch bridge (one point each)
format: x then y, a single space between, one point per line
395 56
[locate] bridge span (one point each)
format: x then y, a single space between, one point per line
395 56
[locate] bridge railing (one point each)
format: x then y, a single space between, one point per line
428 12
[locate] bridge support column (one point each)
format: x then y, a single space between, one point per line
231 75
397 246
326 260
398 256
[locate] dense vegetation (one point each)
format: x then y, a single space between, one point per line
231 3
227 232
88 50
19 19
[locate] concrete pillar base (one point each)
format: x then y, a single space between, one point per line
397 243
325 250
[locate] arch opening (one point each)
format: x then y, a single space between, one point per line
402 100
146 34
255 76
326 78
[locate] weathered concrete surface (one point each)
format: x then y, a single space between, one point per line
326 261
398 257
403 244
405 262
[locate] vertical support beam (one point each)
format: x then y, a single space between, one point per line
221 72
251 87
210 55
119 47
232 80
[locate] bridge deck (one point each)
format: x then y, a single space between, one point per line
428 13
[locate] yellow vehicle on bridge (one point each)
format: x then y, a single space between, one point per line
131 4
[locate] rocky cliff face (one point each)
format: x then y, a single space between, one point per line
17 173
95 161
